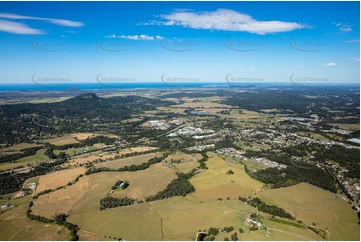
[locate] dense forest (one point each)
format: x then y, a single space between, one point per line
295 174
83 113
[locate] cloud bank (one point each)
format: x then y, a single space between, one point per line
225 20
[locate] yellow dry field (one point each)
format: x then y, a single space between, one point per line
61 201
168 109
315 205
64 140
87 158
346 126
136 149
87 236
84 136
49 100
134 160
58 178
202 104
187 161
14 225
177 218
138 222
145 183
214 182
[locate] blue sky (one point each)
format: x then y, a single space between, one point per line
179 41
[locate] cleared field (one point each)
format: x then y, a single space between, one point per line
136 149
175 211
88 158
16 148
8 165
312 135
49 100
60 201
215 183
138 222
135 160
87 236
15 226
64 140
312 204
178 218
34 159
26 161
187 162
76 151
146 182
346 126
84 136
135 222
58 178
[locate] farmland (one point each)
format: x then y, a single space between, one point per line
202 172
58 178
22 228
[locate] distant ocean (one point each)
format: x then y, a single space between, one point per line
98 86
147 85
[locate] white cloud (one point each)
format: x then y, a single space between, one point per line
343 27
352 41
135 37
226 20
17 28
62 22
355 59
330 64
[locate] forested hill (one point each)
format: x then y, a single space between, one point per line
86 112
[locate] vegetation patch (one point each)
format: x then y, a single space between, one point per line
178 187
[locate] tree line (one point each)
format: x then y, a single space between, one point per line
270 209
177 187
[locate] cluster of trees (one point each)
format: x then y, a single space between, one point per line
348 158
300 171
292 174
228 229
271 209
131 168
98 139
202 162
12 182
60 219
112 202
142 166
177 187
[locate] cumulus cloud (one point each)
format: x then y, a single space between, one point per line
17 28
226 20
135 37
330 64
